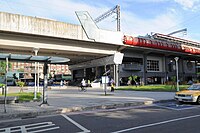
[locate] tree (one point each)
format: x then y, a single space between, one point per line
21 85
173 78
135 79
3 66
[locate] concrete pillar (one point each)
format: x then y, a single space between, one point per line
166 69
196 75
144 69
182 65
84 72
96 72
114 72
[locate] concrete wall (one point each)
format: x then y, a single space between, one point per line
40 26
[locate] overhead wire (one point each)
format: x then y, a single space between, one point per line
183 22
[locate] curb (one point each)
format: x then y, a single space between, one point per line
165 101
108 106
26 115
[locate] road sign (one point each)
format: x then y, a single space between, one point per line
118 57
105 79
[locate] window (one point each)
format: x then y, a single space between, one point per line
152 65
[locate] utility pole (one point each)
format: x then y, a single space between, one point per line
118 17
116 10
35 90
177 80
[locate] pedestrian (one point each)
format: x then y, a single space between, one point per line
112 85
89 83
83 84
61 83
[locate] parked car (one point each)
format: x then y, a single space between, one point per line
192 94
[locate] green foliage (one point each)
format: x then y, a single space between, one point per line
20 70
173 78
20 84
3 66
130 78
25 96
1 85
163 88
135 77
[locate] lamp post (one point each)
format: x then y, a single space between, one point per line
35 90
38 77
177 84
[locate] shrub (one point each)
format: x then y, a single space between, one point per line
1 85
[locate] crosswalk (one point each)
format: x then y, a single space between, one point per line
30 128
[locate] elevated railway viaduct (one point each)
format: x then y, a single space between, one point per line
91 49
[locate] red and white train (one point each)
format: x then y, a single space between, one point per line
164 45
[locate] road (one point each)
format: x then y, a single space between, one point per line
159 118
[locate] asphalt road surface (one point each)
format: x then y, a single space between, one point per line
159 118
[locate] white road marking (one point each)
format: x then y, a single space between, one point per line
172 108
76 124
42 130
157 123
36 127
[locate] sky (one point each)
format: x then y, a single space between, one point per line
138 17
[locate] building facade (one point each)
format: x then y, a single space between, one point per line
29 69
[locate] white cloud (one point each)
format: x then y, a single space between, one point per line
188 4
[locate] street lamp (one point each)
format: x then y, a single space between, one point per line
177 84
35 90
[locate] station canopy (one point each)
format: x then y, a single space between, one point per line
32 58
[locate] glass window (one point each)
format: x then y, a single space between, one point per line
152 65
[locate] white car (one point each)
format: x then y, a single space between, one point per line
192 94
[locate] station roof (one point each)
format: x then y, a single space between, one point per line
32 58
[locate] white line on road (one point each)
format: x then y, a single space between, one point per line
36 127
76 124
42 130
157 123
177 109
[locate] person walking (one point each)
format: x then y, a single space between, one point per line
83 85
61 84
112 85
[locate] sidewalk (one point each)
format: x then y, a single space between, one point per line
69 99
